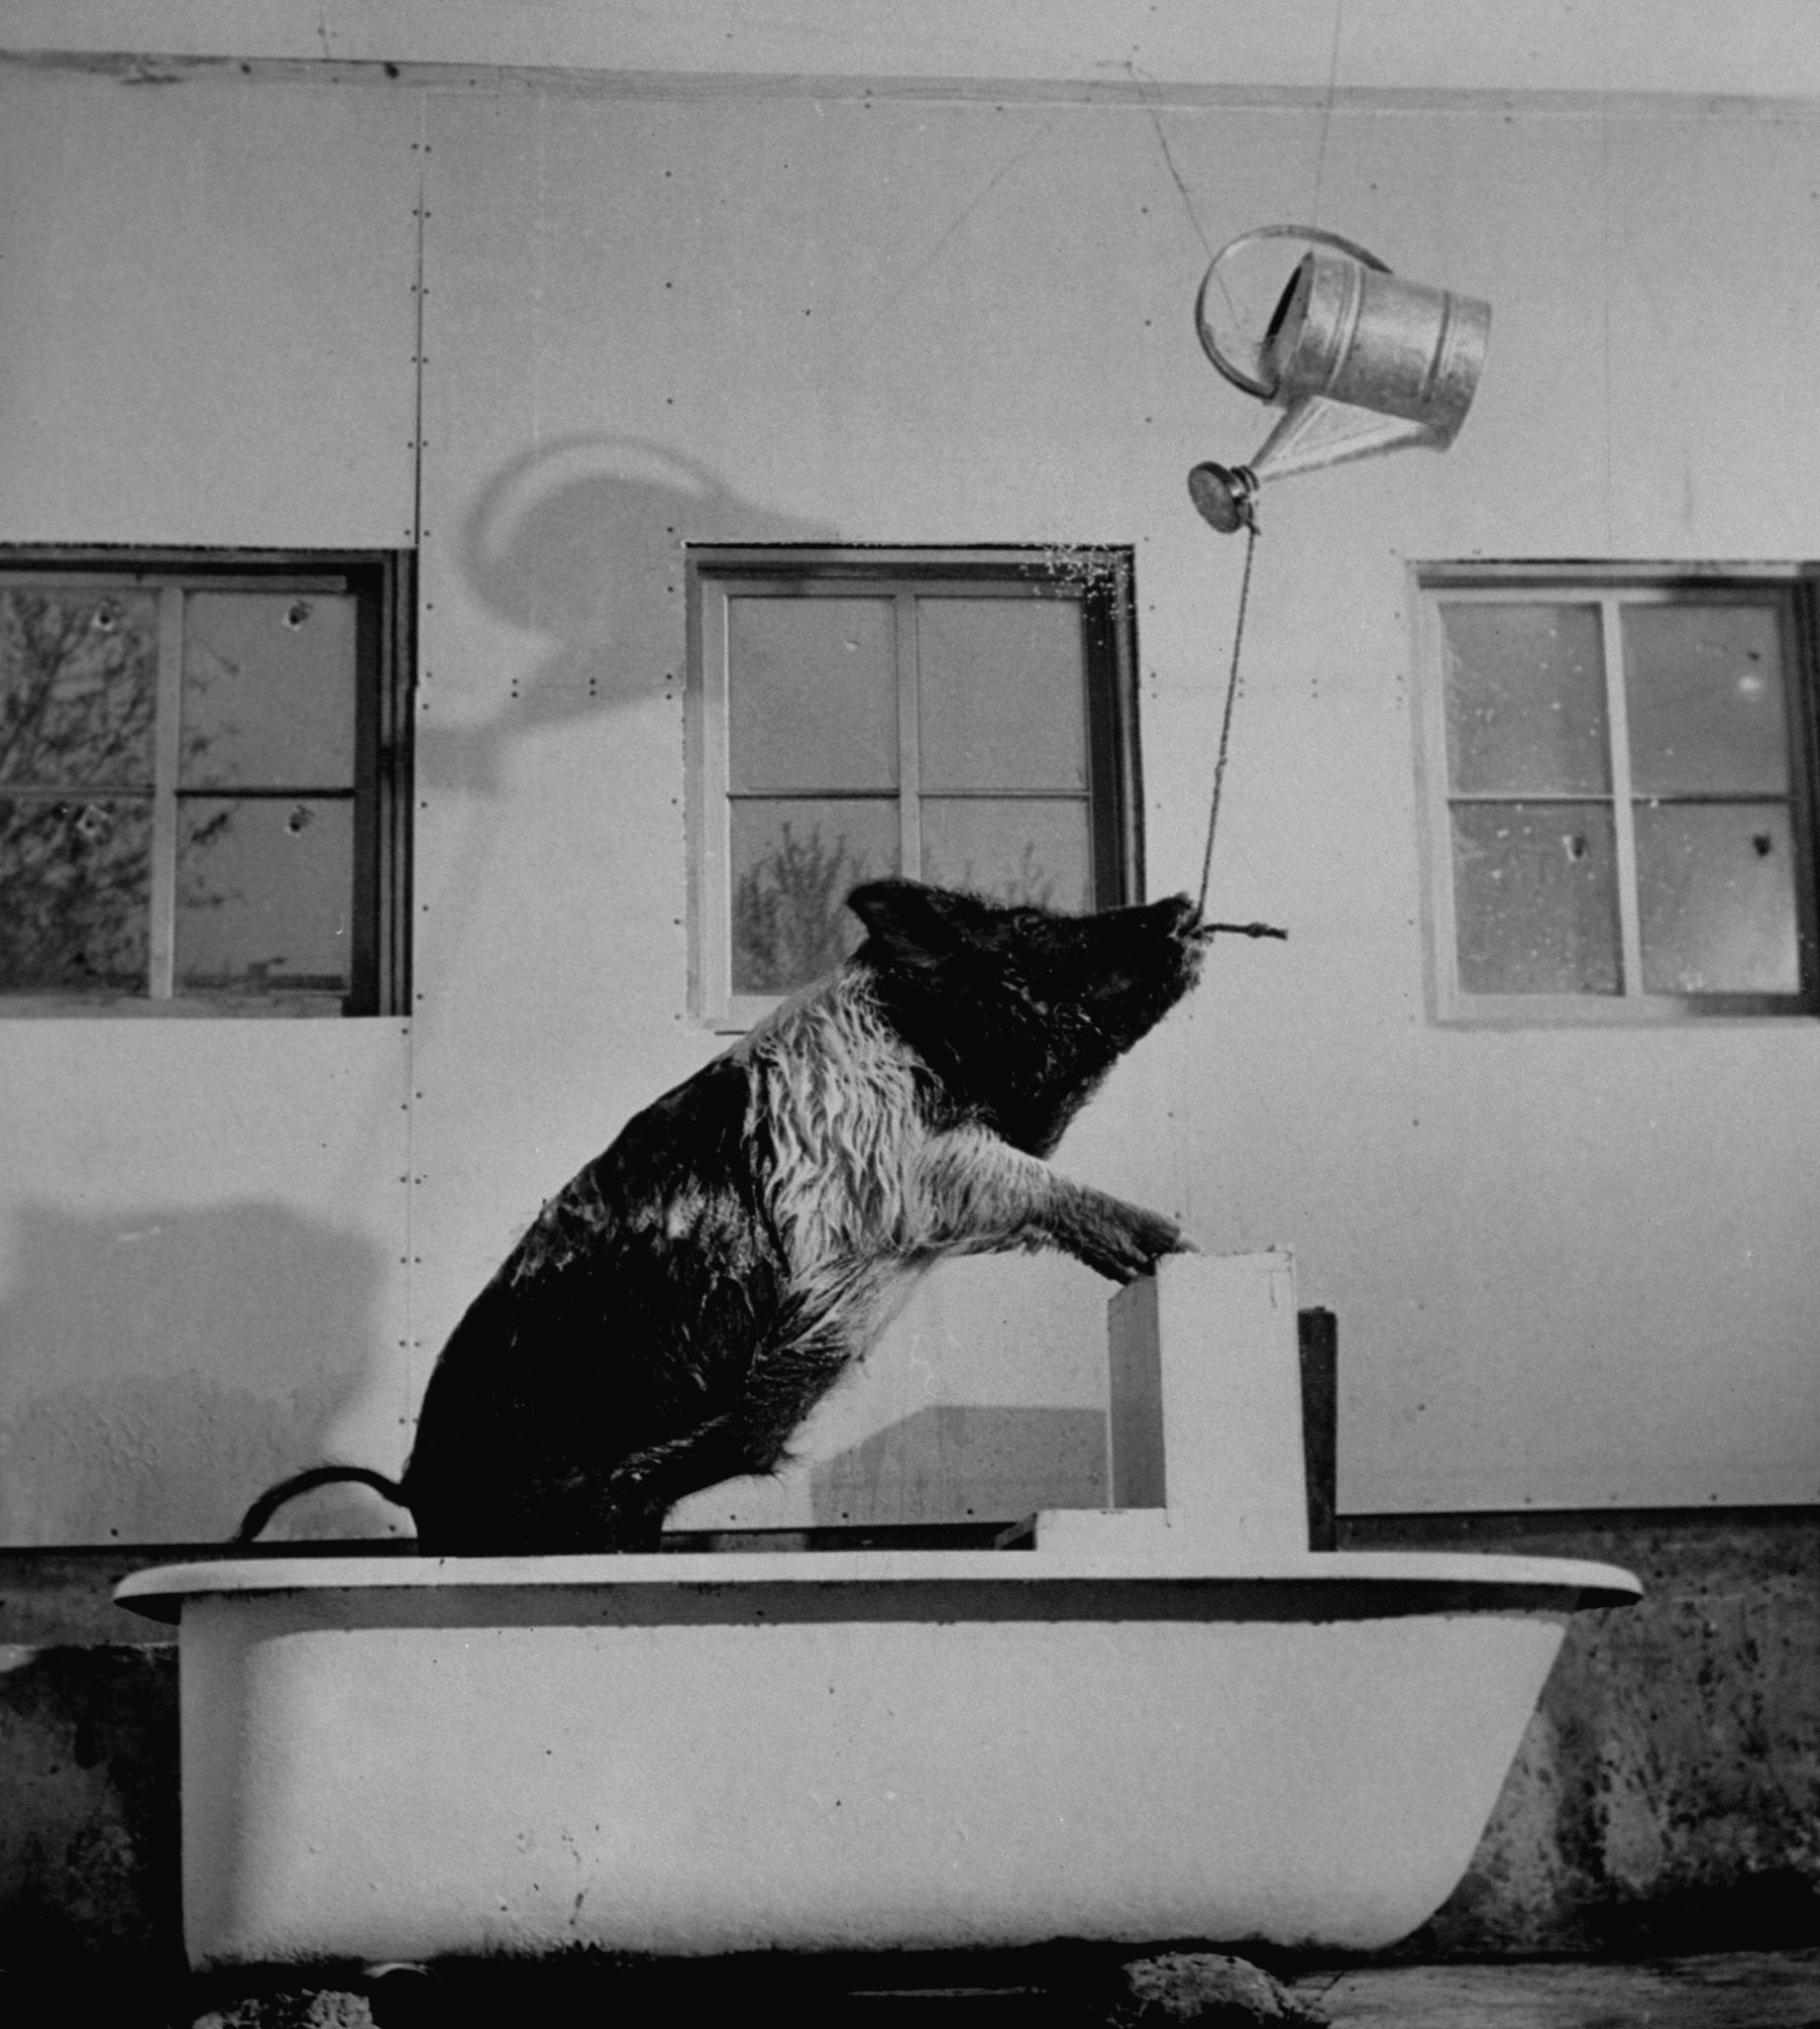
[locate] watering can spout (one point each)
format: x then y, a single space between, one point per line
1361 360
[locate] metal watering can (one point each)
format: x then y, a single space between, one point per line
1361 360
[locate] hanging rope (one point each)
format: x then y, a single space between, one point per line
1225 741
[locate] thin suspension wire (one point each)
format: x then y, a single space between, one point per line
1226 723
1327 111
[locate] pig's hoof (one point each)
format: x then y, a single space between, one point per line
1124 1255
1157 1236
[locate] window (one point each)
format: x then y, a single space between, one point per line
203 791
1621 793
960 717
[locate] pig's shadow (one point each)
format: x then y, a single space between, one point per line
159 1368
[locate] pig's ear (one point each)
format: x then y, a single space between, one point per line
913 923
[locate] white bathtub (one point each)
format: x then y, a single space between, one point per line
1170 1721
390 1758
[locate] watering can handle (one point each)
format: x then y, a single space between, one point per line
1236 375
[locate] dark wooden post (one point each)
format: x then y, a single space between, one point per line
1319 1333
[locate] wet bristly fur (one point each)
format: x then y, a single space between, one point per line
677 1309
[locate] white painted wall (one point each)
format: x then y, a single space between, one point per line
1571 1268
209 327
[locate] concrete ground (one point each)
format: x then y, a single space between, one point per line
1723 1990
1719 1991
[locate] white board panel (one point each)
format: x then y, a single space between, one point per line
209 326
209 318
656 324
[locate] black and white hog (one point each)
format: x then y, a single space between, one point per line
679 1307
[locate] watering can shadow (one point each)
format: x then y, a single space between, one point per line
1360 359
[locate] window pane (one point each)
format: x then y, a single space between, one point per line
1716 889
75 874
1023 849
1703 685
264 887
1525 699
78 685
812 693
1003 687
794 861
1536 899
268 682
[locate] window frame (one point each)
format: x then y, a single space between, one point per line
382 584
1098 577
1793 586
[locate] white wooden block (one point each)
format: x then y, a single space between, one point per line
1206 1402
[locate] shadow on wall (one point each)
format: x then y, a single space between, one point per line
954 1463
580 541
158 1371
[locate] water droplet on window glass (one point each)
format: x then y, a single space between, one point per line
105 618
296 612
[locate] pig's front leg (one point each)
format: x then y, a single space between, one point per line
1116 1238
979 1196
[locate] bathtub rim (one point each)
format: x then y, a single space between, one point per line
1462 1582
